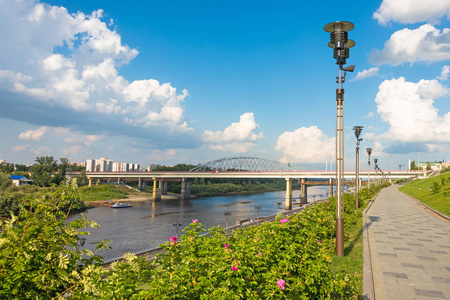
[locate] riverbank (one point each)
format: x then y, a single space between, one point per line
129 198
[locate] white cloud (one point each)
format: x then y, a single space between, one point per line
408 108
411 11
157 155
21 147
41 150
369 115
73 150
444 73
58 61
34 134
239 137
425 43
305 145
366 73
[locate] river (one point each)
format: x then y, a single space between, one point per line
148 224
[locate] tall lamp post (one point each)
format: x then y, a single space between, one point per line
369 151
257 213
227 214
340 43
357 130
375 160
177 224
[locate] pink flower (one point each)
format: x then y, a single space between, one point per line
328 201
233 268
284 220
226 246
281 283
194 220
260 253
173 239
319 240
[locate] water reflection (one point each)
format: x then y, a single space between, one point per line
148 224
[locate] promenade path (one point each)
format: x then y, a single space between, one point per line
409 249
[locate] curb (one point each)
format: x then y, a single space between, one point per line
431 210
368 285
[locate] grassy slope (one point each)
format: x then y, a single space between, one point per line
420 189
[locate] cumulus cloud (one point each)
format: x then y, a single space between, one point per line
65 67
444 73
239 137
41 151
369 115
305 145
411 11
366 73
408 108
160 155
21 147
425 43
34 134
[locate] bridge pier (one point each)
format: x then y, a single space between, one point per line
303 191
156 189
97 182
288 193
119 180
163 187
90 181
185 189
140 184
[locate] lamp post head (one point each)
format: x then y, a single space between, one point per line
227 213
375 160
339 40
358 130
369 151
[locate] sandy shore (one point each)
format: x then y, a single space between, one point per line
130 198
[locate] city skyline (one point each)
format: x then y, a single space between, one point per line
179 82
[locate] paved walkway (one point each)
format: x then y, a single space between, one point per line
409 249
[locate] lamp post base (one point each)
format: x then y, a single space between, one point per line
340 236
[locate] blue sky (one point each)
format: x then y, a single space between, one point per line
193 81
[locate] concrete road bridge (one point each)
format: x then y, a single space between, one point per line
246 167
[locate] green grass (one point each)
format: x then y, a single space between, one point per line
431 192
102 192
353 259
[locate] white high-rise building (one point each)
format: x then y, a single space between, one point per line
90 165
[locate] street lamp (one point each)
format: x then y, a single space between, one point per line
257 213
279 204
369 151
177 224
227 214
357 130
375 160
341 51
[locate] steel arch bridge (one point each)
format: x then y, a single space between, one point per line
242 164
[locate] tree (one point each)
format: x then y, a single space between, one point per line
47 160
41 255
5 181
413 165
428 166
7 169
41 174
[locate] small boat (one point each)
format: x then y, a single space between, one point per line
120 205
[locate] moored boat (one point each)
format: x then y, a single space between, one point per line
120 205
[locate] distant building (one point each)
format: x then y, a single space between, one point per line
90 165
20 180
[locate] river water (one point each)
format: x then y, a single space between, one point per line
148 224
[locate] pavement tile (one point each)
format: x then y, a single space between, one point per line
430 293
408 249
